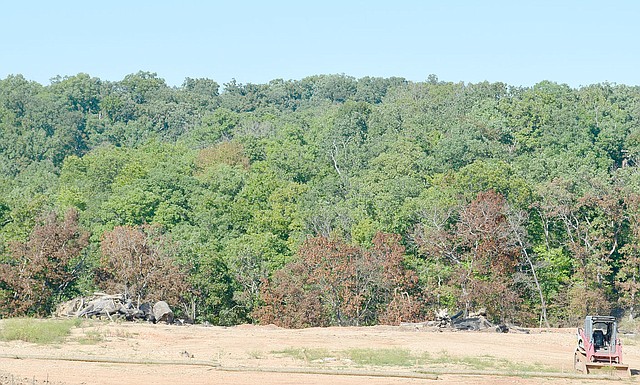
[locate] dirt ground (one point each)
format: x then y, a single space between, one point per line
133 353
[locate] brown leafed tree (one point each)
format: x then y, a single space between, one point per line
291 300
397 292
488 253
482 252
227 152
43 267
332 283
136 261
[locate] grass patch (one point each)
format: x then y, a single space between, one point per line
96 334
119 333
382 357
91 337
484 362
305 354
37 331
400 357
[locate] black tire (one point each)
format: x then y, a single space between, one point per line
579 364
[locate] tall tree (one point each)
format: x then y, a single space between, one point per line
137 262
483 254
332 283
42 269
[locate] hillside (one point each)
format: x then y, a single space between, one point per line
323 201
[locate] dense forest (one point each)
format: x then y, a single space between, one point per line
328 200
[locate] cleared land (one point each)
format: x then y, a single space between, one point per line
130 353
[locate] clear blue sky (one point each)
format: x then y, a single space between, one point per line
516 42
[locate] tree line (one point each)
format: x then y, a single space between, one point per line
328 200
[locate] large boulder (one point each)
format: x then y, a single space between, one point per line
147 311
472 323
162 312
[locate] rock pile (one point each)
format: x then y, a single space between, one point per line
118 306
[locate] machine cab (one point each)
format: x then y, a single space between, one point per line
601 332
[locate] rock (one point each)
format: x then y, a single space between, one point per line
518 329
147 312
162 312
472 323
502 329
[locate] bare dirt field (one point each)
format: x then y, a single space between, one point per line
136 353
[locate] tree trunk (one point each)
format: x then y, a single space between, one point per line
523 247
543 305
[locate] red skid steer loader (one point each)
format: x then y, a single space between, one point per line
599 349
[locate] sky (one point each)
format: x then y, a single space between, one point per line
516 42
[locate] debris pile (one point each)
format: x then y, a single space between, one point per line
114 307
474 321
